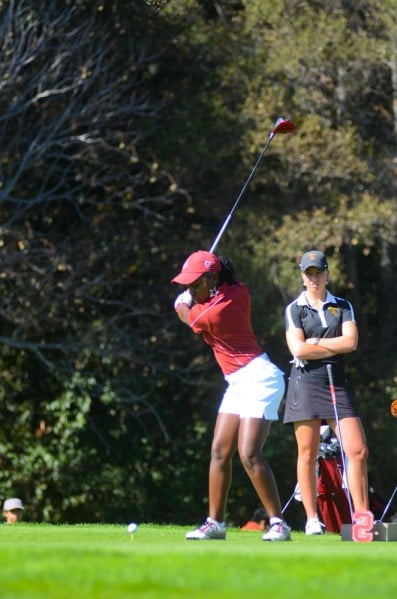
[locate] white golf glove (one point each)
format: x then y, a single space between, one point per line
183 298
298 362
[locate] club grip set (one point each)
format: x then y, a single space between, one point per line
282 126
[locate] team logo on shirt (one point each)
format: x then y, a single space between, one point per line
334 311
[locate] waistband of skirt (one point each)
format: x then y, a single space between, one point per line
237 373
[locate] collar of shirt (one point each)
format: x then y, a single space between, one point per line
302 300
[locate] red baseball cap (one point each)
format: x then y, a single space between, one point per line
196 265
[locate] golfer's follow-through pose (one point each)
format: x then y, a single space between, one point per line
218 306
320 329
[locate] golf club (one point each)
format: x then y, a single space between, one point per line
294 492
282 126
388 505
333 397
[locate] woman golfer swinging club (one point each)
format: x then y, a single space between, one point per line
218 306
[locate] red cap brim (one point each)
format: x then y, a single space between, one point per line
186 278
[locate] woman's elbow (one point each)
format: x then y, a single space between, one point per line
352 345
295 349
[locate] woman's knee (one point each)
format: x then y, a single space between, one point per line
221 452
307 456
358 453
250 458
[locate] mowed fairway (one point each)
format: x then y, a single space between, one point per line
101 562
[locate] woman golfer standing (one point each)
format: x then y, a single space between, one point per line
320 329
218 306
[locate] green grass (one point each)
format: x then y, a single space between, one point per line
101 562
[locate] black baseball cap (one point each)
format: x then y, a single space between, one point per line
313 258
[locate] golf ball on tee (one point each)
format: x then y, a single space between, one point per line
132 527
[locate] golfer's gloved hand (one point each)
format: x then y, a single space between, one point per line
183 298
298 362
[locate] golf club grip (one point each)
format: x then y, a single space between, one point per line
330 376
331 384
222 229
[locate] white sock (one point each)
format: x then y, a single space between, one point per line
215 521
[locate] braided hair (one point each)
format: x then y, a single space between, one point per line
227 273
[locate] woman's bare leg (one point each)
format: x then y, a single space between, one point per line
252 436
307 435
224 446
356 451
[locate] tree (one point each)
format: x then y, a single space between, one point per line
81 205
126 135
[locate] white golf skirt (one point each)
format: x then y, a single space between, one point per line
255 390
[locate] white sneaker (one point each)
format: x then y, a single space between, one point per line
278 532
314 527
211 529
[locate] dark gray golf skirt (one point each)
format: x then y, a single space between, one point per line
309 397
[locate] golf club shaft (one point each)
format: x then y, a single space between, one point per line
290 499
388 505
229 216
333 397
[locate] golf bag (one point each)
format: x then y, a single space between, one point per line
332 502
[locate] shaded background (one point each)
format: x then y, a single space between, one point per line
127 131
